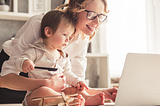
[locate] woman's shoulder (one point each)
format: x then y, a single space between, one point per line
33 23
36 18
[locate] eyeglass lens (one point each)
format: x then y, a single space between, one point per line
92 15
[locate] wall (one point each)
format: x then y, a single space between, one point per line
8 28
153 25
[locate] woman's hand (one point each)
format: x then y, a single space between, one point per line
81 85
27 66
110 93
57 82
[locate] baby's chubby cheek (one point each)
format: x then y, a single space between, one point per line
58 40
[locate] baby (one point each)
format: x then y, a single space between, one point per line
57 28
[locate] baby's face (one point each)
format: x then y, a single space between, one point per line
61 37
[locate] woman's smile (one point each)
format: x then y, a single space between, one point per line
92 29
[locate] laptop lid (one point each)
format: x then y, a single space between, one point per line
140 81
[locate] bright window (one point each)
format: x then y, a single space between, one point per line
126 32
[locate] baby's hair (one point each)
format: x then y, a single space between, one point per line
52 20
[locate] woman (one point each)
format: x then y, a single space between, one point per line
88 14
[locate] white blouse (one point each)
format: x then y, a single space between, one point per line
30 33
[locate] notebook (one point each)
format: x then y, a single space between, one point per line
140 81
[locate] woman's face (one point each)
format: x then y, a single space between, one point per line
88 26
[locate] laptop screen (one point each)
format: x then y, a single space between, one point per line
140 81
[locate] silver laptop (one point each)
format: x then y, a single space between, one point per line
140 81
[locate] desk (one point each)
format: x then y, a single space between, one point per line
106 104
10 104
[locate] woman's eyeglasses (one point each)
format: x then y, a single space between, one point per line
91 15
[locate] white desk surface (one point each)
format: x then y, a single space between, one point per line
106 104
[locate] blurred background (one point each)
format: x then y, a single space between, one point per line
132 26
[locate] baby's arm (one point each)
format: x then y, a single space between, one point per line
71 78
25 61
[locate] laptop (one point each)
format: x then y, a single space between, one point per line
140 81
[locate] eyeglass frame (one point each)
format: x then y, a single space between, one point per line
96 15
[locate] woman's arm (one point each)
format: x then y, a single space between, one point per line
16 82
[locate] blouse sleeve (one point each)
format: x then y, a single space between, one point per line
28 34
79 63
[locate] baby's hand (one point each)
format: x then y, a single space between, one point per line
27 66
81 85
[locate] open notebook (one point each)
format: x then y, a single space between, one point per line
140 81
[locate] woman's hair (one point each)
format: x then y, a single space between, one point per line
52 20
76 6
